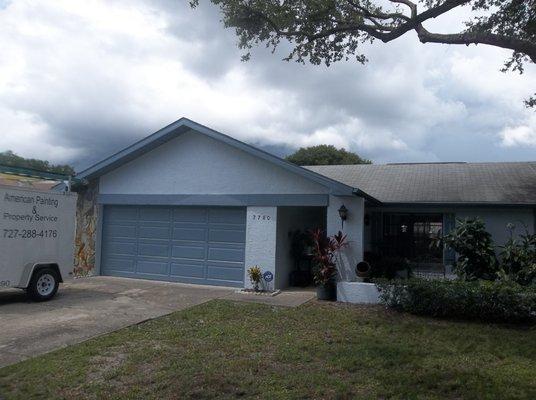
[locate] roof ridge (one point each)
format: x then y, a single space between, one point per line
426 163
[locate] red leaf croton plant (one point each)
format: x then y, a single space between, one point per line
325 251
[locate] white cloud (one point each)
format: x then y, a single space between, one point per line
521 135
27 134
82 78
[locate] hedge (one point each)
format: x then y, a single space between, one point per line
477 300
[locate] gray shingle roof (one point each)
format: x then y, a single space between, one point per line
500 183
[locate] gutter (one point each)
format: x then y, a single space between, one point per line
371 200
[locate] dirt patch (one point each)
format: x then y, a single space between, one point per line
104 365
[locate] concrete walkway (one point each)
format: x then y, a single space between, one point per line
94 306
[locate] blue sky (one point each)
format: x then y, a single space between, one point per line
82 79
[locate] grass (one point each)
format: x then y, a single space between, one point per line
318 351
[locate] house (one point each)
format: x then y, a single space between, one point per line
189 204
420 201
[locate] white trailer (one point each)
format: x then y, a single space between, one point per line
37 231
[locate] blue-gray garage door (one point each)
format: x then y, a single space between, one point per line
203 245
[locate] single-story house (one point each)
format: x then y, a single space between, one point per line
189 204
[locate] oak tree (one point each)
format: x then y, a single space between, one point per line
325 155
326 31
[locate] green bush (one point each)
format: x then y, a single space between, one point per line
475 249
474 300
518 257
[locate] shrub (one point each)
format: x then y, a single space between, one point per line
325 250
255 276
477 300
518 257
476 254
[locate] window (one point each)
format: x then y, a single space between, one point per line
413 236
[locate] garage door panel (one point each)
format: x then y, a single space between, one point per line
119 264
120 231
225 273
189 251
153 267
153 249
226 254
190 233
188 270
116 214
227 235
154 214
122 248
227 215
154 232
202 245
190 214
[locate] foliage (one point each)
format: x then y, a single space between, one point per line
477 300
327 31
11 159
518 257
325 155
474 246
255 276
325 251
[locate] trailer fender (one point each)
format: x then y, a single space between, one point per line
29 270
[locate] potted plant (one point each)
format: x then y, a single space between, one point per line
325 251
255 276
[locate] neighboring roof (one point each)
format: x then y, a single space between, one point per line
26 182
185 125
32 173
459 183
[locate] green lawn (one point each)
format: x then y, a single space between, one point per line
318 351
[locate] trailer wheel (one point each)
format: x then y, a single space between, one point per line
44 284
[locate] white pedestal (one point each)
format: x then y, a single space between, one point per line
358 293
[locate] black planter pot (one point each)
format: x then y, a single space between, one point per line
327 292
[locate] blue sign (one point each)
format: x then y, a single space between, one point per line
268 276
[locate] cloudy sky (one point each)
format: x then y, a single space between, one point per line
80 79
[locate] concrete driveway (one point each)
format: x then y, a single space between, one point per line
89 307
86 308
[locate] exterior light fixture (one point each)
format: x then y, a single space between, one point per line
343 213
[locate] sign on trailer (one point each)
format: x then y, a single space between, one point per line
36 239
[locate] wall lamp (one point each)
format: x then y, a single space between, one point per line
343 213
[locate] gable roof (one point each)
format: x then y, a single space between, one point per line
507 183
185 125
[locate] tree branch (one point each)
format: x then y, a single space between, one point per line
387 33
418 19
506 42
376 14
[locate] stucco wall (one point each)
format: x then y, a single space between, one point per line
196 164
261 233
290 219
353 228
497 219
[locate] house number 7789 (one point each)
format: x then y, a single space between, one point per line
261 217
